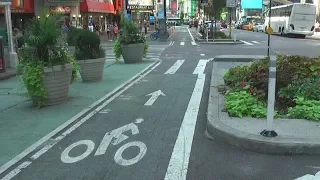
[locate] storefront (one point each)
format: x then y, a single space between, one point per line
22 11
69 9
140 11
97 13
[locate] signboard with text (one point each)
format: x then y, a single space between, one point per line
231 3
140 4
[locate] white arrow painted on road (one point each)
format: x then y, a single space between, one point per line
154 97
310 177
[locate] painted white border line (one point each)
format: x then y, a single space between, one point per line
247 43
17 170
174 68
201 66
74 118
193 42
178 165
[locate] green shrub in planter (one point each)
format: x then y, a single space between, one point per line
87 46
90 56
72 36
131 43
45 65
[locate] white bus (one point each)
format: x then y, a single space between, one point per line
295 19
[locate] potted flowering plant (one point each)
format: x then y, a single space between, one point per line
90 56
131 43
45 64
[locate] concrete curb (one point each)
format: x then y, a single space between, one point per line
222 43
222 132
239 58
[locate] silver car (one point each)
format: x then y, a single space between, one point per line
258 27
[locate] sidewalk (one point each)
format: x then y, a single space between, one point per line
21 125
295 136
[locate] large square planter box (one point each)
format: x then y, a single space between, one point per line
132 53
91 69
56 82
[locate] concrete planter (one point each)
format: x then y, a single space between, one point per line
91 69
132 53
56 82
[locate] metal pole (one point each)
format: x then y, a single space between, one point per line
230 19
165 15
269 132
269 27
12 54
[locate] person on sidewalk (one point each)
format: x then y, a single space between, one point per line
90 27
115 31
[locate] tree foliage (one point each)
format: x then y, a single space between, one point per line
215 8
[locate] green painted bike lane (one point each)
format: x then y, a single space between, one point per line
21 125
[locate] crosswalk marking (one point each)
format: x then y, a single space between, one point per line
182 43
247 43
255 42
173 69
201 66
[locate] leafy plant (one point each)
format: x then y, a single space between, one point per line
244 104
305 109
308 88
129 34
221 35
117 49
88 46
71 39
44 47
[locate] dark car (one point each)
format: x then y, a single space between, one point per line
223 24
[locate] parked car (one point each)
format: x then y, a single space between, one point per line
247 26
223 24
258 27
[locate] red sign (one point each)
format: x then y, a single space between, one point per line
96 6
21 6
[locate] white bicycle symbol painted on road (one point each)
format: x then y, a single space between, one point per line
119 137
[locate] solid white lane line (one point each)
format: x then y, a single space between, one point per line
174 68
178 165
126 85
255 42
201 66
191 36
247 43
182 43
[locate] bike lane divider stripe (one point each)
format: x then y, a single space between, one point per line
201 66
112 95
193 42
174 68
178 165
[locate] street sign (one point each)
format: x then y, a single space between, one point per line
231 3
269 30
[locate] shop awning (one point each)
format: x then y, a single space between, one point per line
18 7
98 7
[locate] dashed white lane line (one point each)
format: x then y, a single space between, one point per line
182 43
247 43
174 68
202 54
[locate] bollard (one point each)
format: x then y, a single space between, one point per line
207 35
269 132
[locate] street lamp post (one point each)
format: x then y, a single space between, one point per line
13 57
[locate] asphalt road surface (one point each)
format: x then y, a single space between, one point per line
155 130
258 41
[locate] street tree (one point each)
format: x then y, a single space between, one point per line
214 10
